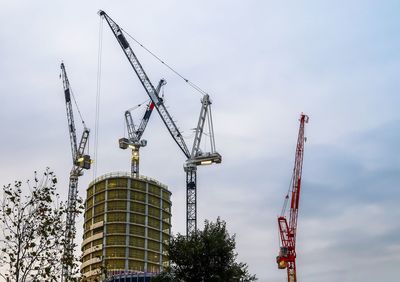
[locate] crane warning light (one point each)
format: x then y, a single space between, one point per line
282 264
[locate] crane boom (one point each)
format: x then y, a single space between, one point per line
70 114
148 86
145 120
80 161
196 157
287 231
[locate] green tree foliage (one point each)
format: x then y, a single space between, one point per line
207 255
32 230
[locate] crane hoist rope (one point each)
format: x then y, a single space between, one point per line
98 96
77 107
285 202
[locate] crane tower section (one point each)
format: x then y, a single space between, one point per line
287 230
80 161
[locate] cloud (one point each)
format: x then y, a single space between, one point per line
263 64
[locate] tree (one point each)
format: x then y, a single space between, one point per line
32 230
207 255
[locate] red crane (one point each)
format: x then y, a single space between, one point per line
287 231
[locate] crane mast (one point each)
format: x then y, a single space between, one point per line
287 230
134 141
80 161
196 157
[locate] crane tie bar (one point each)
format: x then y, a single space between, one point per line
194 86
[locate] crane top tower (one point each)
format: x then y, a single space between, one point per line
287 230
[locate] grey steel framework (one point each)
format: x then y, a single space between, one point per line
196 157
80 162
134 141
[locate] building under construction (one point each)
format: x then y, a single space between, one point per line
127 226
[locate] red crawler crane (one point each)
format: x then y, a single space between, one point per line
287 231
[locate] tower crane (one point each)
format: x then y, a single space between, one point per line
80 161
287 230
134 141
195 157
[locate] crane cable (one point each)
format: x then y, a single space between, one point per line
191 84
76 105
285 203
98 92
137 106
80 115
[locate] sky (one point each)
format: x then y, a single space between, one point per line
263 63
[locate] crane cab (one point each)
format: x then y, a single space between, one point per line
123 143
282 258
282 263
84 162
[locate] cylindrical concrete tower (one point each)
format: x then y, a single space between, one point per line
127 225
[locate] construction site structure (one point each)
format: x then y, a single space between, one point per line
288 230
195 157
80 161
127 227
135 134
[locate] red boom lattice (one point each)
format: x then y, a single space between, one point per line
287 231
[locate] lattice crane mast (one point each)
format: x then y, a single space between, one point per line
195 157
134 141
80 161
287 230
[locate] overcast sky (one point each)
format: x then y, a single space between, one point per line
263 63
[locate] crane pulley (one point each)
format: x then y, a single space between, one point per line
287 230
80 161
195 157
